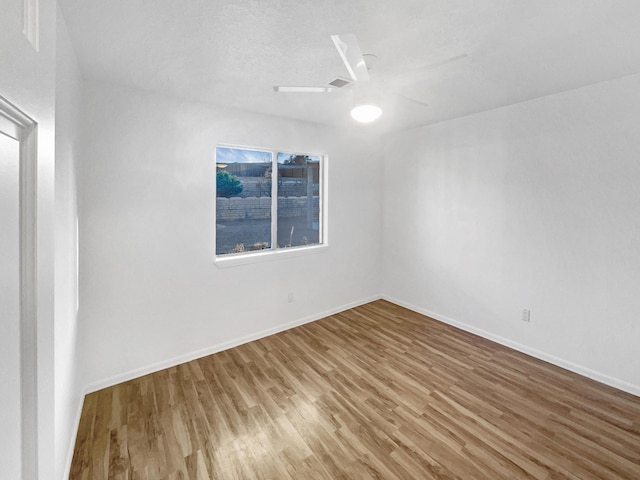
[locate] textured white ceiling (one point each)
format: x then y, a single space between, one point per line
458 56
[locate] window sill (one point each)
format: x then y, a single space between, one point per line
233 260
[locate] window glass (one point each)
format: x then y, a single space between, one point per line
243 200
298 200
254 212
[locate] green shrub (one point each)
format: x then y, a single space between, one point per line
227 185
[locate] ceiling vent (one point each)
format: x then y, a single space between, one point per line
340 82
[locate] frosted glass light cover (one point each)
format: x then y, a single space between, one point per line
366 113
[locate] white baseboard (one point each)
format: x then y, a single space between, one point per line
114 380
561 362
539 354
172 362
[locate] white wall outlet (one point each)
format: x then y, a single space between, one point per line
290 297
526 315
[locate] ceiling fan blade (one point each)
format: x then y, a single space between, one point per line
444 62
411 100
427 68
301 89
349 50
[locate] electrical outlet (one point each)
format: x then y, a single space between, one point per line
526 315
290 297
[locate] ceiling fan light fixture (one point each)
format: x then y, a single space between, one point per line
366 113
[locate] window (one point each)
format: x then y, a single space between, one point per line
267 200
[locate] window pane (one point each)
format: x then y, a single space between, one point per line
243 200
298 200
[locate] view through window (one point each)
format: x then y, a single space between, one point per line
267 200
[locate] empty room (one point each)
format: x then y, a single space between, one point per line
320 239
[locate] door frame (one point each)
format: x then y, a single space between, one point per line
16 124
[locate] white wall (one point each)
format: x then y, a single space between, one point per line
68 396
27 79
536 206
150 294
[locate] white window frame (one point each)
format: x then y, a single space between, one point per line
273 252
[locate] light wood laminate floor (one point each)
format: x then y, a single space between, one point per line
376 392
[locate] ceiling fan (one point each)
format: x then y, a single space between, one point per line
357 66
354 61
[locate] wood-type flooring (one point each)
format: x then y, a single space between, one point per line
375 392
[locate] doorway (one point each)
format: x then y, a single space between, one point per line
18 342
